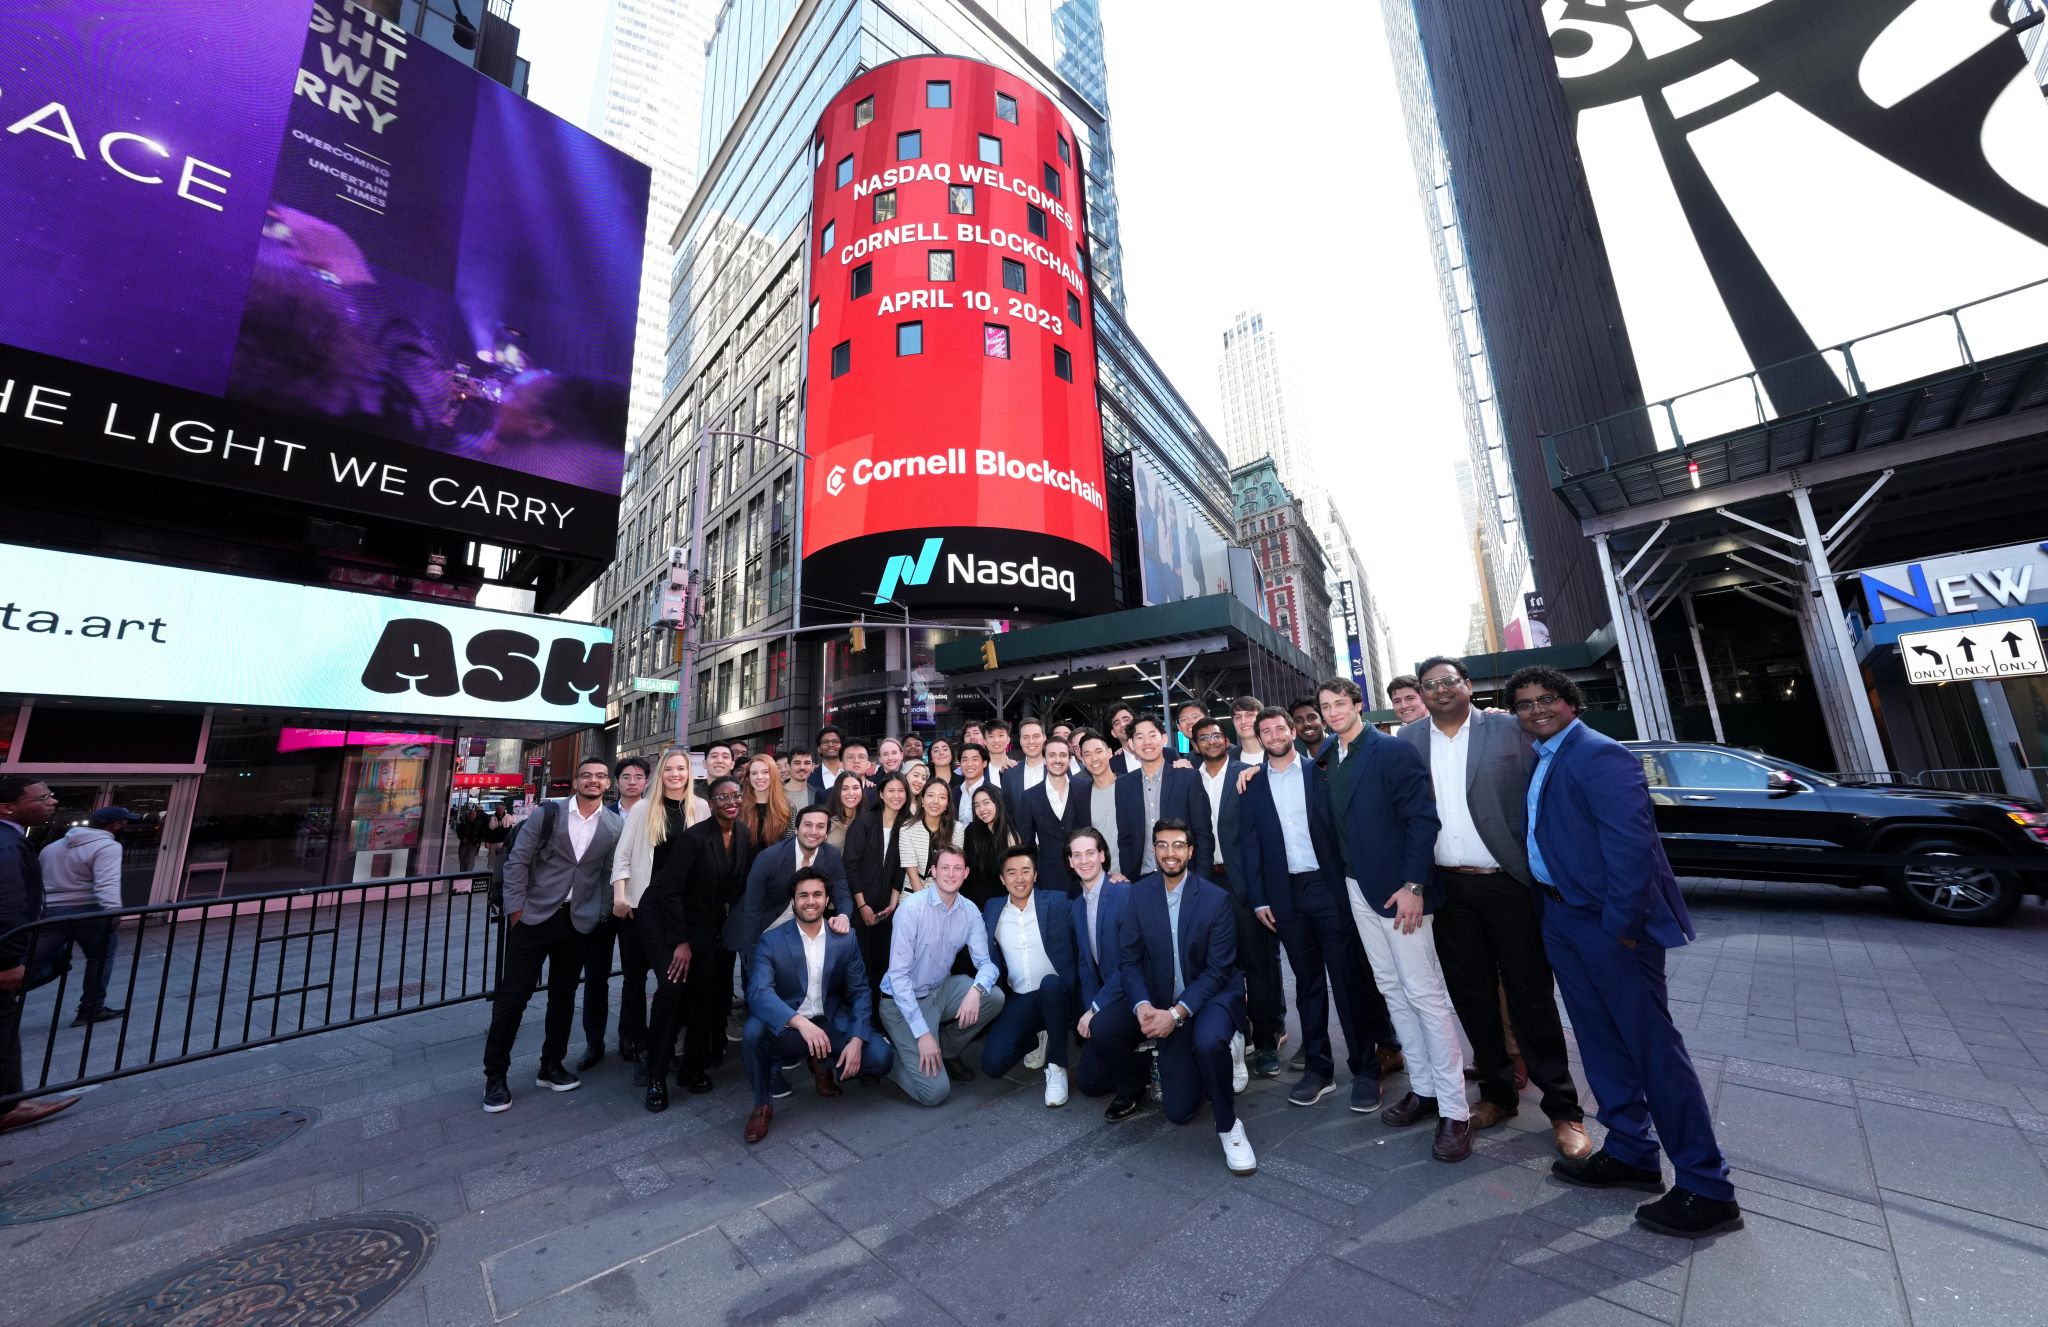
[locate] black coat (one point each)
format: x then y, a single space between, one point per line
21 893
874 861
695 886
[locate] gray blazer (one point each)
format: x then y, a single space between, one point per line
536 889
1497 769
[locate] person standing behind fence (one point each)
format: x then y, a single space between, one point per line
82 876
554 898
24 804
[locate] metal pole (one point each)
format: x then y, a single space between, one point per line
693 596
1699 651
1639 697
1863 723
2005 739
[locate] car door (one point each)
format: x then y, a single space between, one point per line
1718 813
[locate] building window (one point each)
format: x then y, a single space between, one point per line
1073 308
700 700
910 338
781 524
909 145
750 679
825 240
938 96
1062 363
1034 219
885 206
995 340
724 699
1006 107
991 149
842 358
814 315
778 672
863 112
863 281
938 265
817 152
1066 153
1013 275
843 174
1052 179
960 199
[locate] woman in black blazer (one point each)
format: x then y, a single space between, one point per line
874 871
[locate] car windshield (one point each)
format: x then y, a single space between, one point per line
1805 775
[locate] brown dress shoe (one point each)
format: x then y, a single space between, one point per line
1453 1140
1391 1062
1486 1115
757 1123
821 1074
34 1112
1410 1109
1572 1141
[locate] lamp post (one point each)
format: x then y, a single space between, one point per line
889 729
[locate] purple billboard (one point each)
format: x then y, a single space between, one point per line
288 248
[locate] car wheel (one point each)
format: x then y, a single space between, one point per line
1944 890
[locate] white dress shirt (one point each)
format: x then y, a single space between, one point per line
814 967
1056 795
582 828
1023 947
1214 787
1033 775
1457 841
803 860
1290 802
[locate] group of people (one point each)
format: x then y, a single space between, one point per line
1110 906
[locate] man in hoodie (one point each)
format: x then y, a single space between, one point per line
81 878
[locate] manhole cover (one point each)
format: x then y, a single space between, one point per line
138 1166
329 1273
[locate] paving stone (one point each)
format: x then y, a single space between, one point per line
1962 1268
1216 1264
1964 1163
1813 1143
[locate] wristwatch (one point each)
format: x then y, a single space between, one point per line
1413 888
1180 1020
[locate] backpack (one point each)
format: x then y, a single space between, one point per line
549 810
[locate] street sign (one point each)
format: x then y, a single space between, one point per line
1977 652
665 685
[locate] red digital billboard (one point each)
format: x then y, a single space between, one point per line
954 438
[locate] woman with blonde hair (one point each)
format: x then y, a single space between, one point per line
651 827
766 809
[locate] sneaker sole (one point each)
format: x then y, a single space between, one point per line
1248 1170
1328 1088
1732 1223
489 1109
558 1087
1374 1109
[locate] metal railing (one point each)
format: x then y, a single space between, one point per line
1978 780
200 979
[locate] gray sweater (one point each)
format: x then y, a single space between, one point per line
82 870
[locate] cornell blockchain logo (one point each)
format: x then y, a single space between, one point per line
835 483
903 569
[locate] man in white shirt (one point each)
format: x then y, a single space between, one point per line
1244 722
1024 775
1258 949
1031 938
973 774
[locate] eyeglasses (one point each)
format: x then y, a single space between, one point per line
1211 736
729 795
1546 701
1443 684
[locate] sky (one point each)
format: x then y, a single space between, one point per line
1260 160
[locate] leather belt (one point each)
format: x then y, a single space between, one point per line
1471 870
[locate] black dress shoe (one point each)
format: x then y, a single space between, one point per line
1122 1108
1602 1171
697 1084
957 1070
1410 1109
631 1050
657 1095
1684 1214
640 1072
591 1055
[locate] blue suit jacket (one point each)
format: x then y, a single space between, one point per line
777 977
1102 974
1262 852
1046 834
1055 931
1181 797
1598 835
768 883
1208 948
1390 821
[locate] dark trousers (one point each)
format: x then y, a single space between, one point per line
765 1049
598 947
10 1043
95 938
1110 1059
1489 938
634 965
707 999
555 943
1049 1009
1258 954
1635 1060
874 954
665 1015
1194 1063
1328 962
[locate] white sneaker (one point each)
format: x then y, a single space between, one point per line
1237 1151
1055 1085
1240 1076
1036 1058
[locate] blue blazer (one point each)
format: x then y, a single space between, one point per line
768 884
1055 931
1208 948
1598 834
1390 821
1262 852
1102 974
1046 834
777 977
1181 797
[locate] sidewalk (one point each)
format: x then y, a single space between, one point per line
1881 1087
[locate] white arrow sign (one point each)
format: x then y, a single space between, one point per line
1980 651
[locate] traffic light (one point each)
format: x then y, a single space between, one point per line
860 639
988 654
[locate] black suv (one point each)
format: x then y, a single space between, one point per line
1722 811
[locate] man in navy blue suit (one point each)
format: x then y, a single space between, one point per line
1105 1021
1293 875
1177 946
1610 910
1031 939
1156 790
1050 811
808 995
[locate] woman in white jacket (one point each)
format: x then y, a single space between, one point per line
646 828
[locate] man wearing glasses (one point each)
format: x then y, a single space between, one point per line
1610 910
1258 948
24 804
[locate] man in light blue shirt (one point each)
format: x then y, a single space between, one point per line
931 1012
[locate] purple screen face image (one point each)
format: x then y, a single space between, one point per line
298 207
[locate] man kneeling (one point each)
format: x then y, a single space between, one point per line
1031 939
807 994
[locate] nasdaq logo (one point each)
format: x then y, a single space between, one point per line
904 569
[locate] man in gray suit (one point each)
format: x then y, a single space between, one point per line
1489 936
557 888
